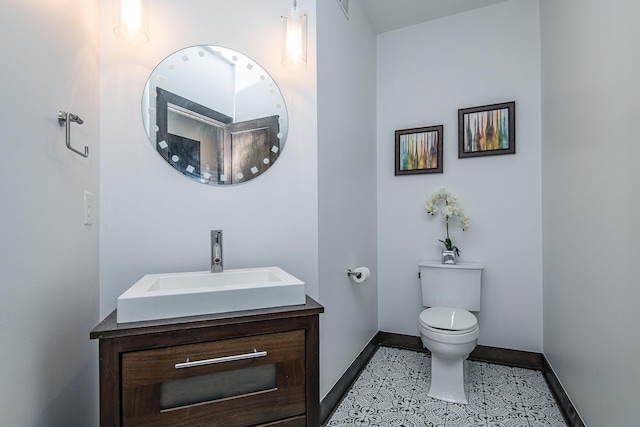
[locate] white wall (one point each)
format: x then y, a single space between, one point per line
425 74
590 94
49 260
346 185
155 220
300 215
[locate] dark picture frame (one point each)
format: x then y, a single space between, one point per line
419 150
488 130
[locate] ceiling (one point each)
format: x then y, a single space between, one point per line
388 15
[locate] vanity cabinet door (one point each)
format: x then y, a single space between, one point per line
236 382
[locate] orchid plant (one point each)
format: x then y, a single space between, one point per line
448 211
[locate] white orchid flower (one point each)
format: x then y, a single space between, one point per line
449 210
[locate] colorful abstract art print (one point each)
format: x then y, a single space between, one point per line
419 150
488 130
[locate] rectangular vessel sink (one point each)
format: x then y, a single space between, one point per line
165 296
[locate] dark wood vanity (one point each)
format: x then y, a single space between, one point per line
248 368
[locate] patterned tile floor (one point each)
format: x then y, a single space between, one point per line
392 391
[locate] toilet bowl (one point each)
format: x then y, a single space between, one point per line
448 329
450 335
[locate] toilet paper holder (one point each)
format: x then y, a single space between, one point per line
357 274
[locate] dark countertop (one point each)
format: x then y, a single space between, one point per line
109 328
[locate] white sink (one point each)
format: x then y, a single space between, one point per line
164 296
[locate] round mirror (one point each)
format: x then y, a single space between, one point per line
214 115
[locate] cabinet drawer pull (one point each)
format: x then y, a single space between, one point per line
253 355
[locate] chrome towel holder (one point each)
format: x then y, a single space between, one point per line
65 118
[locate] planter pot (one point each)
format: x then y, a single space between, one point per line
448 257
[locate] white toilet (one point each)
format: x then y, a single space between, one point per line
448 329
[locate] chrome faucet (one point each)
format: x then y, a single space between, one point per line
216 251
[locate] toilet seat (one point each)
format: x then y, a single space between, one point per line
450 321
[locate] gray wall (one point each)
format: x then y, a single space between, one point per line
590 112
48 258
427 72
346 185
50 261
154 219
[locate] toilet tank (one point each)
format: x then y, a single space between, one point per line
451 285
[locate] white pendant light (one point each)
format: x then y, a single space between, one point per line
131 25
294 51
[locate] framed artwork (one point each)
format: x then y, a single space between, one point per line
419 150
487 131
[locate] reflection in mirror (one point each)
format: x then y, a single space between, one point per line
214 115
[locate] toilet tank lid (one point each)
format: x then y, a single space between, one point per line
449 319
460 265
